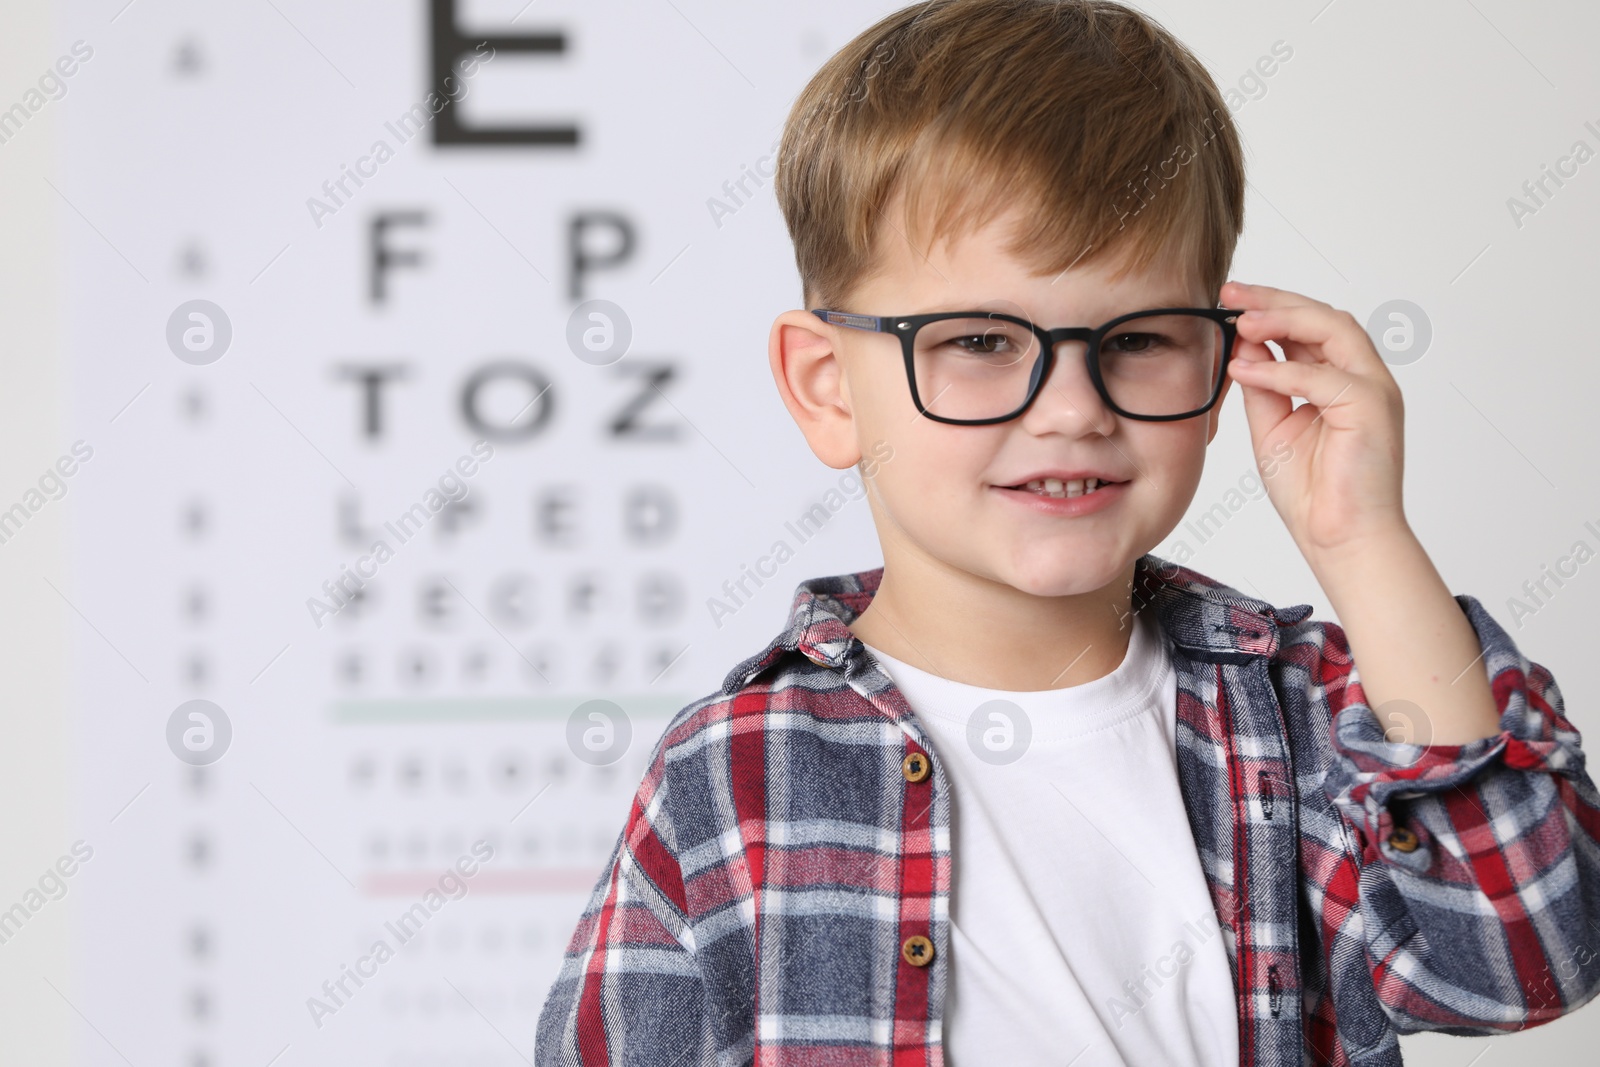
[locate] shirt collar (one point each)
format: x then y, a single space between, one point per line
1199 613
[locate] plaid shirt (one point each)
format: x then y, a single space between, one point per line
791 834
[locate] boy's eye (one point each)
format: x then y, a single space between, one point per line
985 344
977 341
993 347
1132 343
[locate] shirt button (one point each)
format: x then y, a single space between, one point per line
1402 839
915 767
917 950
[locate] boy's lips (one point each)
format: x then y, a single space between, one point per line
1064 502
1063 476
1066 491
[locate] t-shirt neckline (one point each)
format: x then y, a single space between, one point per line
1054 714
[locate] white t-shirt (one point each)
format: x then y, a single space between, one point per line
1082 932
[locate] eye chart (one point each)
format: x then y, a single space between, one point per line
427 451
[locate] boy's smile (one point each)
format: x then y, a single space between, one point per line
997 521
1059 492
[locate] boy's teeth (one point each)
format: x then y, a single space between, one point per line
1057 488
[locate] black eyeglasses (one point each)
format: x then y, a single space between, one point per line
981 367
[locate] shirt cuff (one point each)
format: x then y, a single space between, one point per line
1370 769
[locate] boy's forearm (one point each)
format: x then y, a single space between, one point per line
1409 638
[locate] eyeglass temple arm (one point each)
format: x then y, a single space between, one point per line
874 323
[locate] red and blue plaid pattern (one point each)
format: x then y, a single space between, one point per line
777 857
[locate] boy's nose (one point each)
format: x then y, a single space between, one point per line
1068 401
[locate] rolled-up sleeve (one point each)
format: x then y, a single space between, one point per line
1479 884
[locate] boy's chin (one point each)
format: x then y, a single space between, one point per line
1055 575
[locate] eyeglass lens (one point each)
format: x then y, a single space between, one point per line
983 367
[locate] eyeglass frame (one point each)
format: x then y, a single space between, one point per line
906 327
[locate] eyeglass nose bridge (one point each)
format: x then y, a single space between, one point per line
1068 333
1047 360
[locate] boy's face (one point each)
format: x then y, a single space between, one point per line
942 498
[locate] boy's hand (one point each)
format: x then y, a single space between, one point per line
1341 490
1339 495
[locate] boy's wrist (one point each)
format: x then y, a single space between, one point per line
1357 553
1363 573
1409 636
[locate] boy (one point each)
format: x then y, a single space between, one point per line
1028 793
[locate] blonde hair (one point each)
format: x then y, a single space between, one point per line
1092 118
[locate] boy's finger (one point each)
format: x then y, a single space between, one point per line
1340 339
1263 408
1242 294
1320 383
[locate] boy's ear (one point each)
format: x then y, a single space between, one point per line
802 351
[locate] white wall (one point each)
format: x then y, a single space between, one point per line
34 759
